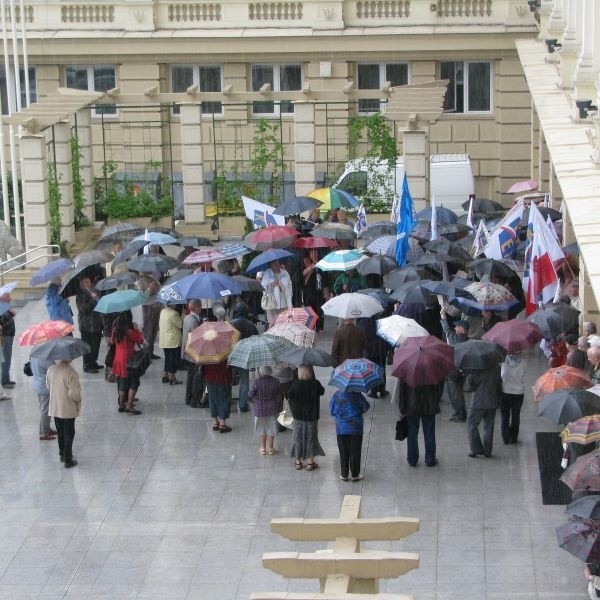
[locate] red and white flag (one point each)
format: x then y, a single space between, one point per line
543 254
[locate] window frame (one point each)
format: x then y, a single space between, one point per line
91 85
276 67
196 81
382 79
465 84
32 88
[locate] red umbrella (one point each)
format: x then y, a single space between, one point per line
303 315
559 378
273 236
530 185
514 335
583 431
211 342
314 242
44 331
206 254
584 473
423 361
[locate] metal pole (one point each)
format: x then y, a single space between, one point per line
15 47
25 56
7 78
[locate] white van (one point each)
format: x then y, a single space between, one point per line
450 179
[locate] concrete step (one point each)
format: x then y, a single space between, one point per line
24 292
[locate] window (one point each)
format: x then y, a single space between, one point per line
32 88
208 79
354 183
283 78
96 78
373 77
470 87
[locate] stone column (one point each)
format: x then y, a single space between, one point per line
535 145
588 60
545 12
34 181
571 42
304 147
86 170
64 177
544 160
192 163
556 23
416 165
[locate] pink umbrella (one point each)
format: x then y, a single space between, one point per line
530 185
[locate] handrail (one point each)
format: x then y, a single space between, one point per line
54 247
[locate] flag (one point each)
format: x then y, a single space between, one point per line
481 239
542 255
552 228
503 238
261 214
434 231
395 209
361 220
146 249
470 213
405 222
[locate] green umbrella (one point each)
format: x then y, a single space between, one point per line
120 300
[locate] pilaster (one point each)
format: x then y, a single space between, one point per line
586 70
64 176
83 122
416 164
544 12
192 166
571 42
304 147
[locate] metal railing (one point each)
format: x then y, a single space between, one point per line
3 271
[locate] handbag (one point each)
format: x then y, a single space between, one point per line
402 429
27 369
138 364
267 302
285 418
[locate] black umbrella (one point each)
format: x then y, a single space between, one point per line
483 205
452 289
492 268
477 354
64 348
130 250
91 257
444 215
397 277
379 294
413 293
248 284
307 356
380 264
433 259
148 263
587 507
567 405
554 319
180 274
378 229
295 206
70 284
546 211
453 228
447 247
121 230
115 281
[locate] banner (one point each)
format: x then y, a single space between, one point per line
503 238
361 220
261 214
405 224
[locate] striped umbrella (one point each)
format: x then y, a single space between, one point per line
234 250
294 332
341 260
44 331
259 351
334 198
583 431
303 315
206 254
357 375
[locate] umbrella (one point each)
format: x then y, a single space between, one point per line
120 300
247 284
483 205
378 229
514 335
433 259
581 539
334 198
554 319
449 248
356 375
444 215
386 245
53 269
207 285
273 236
259 350
334 231
452 289
234 250
413 292
91 257
488 296
395 329
568 405
206 254
44 331
477 354
378 265
262 261
587 507
130 250
452 230
211 342
423 361
583 431
70 285
114 281
352 306
308 356
120 230
394 279
149 263
341 260
60 348
378 294
157 238
303 315
314 242
194 241
492 268
295 206
530 185
559 378
545 211
169 295
584 473
180 274
7 288
298 334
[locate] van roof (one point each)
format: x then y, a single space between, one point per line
449 158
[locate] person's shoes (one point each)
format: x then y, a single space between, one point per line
488 455
201 405
412 464
71 463
48 436
175 382
154 357
224 429
245 409
9 385
372 394
359 478
51 431
216 427
506 441
97 366
433 463
122 409
61 458
475 454
165 380
133 411
384 394
90 370
457 419
111 378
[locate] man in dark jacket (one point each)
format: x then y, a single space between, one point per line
247 329
376 350
486 385
455 379
7 325
90 324
348 342
420 404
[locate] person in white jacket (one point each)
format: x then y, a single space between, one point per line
276 281
513 390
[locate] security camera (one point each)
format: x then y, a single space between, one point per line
552 44
533 5
585 107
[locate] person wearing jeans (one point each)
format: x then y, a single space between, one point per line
247 329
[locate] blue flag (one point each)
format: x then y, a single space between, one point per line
406 222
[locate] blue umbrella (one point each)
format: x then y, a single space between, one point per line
120 300
341 260
207 286
169 295
155 237
53 269
357 375
130 250
264 258
234 250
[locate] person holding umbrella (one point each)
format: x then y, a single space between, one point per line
276 281
7 329
348 342
170 337
512 372
58 307
90 324
313 293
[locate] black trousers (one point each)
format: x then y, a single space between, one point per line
65 432
350 447
194 389
93 339
510 412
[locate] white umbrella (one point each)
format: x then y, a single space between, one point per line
395 329
352 306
